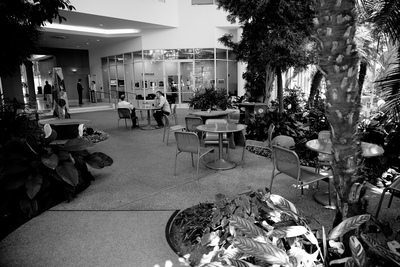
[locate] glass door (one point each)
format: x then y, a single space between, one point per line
179 79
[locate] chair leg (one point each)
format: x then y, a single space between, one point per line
192 159
380 202
126 125
176 157
167 136
329 191
163 138
391 198
244 148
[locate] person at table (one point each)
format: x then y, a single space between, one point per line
125 104
162 103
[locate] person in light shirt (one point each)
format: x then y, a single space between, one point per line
161 102
125 104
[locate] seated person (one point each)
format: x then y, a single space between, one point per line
125 104
161 102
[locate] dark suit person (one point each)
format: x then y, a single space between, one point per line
79 87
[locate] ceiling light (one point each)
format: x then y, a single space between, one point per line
90 29
60 37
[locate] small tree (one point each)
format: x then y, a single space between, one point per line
21 20
275 38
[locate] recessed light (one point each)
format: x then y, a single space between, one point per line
90 29
77 46
101 25
98 40
87 43
59 37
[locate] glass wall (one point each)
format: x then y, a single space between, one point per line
176 72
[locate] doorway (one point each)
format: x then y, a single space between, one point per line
180 81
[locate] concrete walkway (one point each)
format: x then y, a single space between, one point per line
120 219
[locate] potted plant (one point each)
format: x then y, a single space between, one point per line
210 98
36 174
261 229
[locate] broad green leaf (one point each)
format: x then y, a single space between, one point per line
15 168
94 161
33 185
50 161
264 251
107 161
52 137
77 144
9 183
64 155
380 250
246 204
246 227
347 225
289 231
47 130
68 173
29 207
357 251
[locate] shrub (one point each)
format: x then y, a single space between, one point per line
210 98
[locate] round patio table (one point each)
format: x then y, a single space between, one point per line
65 128
221 128
148 109
325 146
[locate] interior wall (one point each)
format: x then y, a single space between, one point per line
75 65
139 10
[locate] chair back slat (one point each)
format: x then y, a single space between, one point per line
187 142
124 113
286 161
192 123
166 121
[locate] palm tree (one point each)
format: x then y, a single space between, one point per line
385 16
338 59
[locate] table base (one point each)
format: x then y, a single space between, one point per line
221 164
323 199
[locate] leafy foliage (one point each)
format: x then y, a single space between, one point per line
36 174
22 20
275 33
210 98
261 229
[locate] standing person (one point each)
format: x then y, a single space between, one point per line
79 87
161 102
47 94
93 91
125 104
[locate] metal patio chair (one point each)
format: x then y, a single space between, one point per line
189 142
287 162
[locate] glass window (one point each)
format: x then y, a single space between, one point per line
202 2
221 53
137 56
206 53
128 58
204 74
111 60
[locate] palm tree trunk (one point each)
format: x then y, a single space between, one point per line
269 83
279 89
316 81
336 25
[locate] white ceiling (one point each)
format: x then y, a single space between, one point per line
77 40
